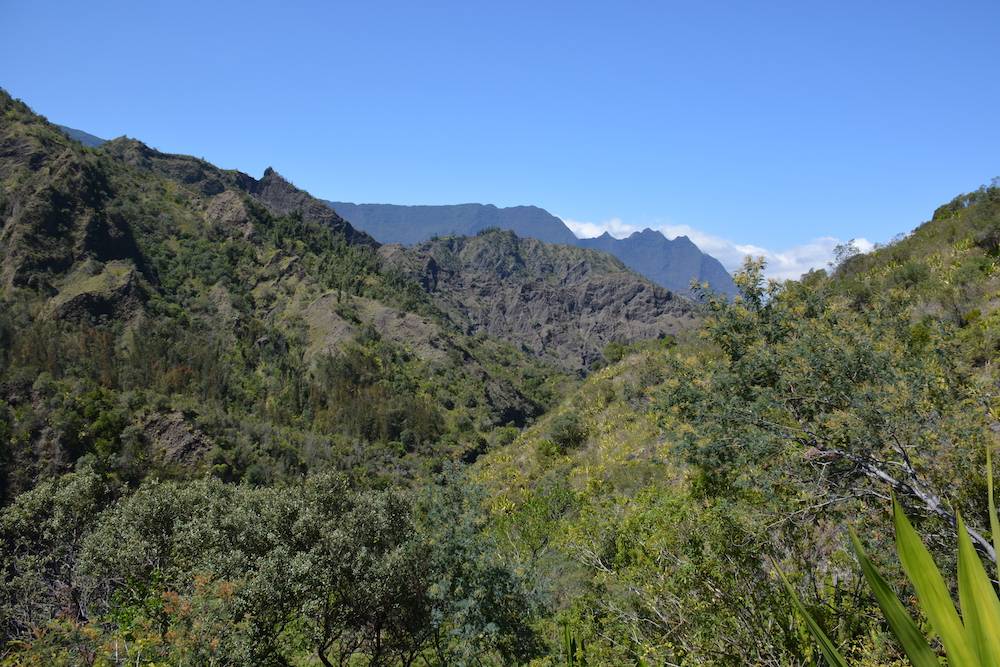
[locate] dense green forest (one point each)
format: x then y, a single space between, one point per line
231 433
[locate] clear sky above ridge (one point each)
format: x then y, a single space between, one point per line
758 126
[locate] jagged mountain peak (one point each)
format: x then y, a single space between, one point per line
670 264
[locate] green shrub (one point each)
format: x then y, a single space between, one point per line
566 432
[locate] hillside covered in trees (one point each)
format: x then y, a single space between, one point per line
235 430
656 501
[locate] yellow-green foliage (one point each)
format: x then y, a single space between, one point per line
970 636
794 413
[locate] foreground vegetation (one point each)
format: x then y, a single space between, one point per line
654 502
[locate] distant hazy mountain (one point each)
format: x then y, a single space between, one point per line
408 225
669 263
672 263
81 136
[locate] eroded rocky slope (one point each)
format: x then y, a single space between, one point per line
563 303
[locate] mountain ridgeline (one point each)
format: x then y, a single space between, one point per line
231 350
409 225
672 264
235 429
667 262
202 304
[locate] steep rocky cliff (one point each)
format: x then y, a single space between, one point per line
563 303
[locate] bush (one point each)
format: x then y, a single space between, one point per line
614 352
566 432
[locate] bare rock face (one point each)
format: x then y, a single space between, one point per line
172 440
110 292
563 303
229 211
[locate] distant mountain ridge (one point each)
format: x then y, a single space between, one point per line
673 263
670 263
84 138
409 225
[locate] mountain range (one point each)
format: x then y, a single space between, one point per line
223 292
236 429
670 263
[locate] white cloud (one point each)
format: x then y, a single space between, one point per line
586 230
784 264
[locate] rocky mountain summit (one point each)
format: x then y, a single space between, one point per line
670 263
665 261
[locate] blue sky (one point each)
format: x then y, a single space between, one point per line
765 126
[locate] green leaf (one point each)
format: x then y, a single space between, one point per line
826 646
980 606
935 601
994 521
906 631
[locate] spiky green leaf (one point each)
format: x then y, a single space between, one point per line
980 607
906 631
826 646
994 520
935 600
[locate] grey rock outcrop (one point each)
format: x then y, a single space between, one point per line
173 440
562 303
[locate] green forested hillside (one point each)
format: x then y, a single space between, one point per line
235 431
184 353
654 501
162 314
